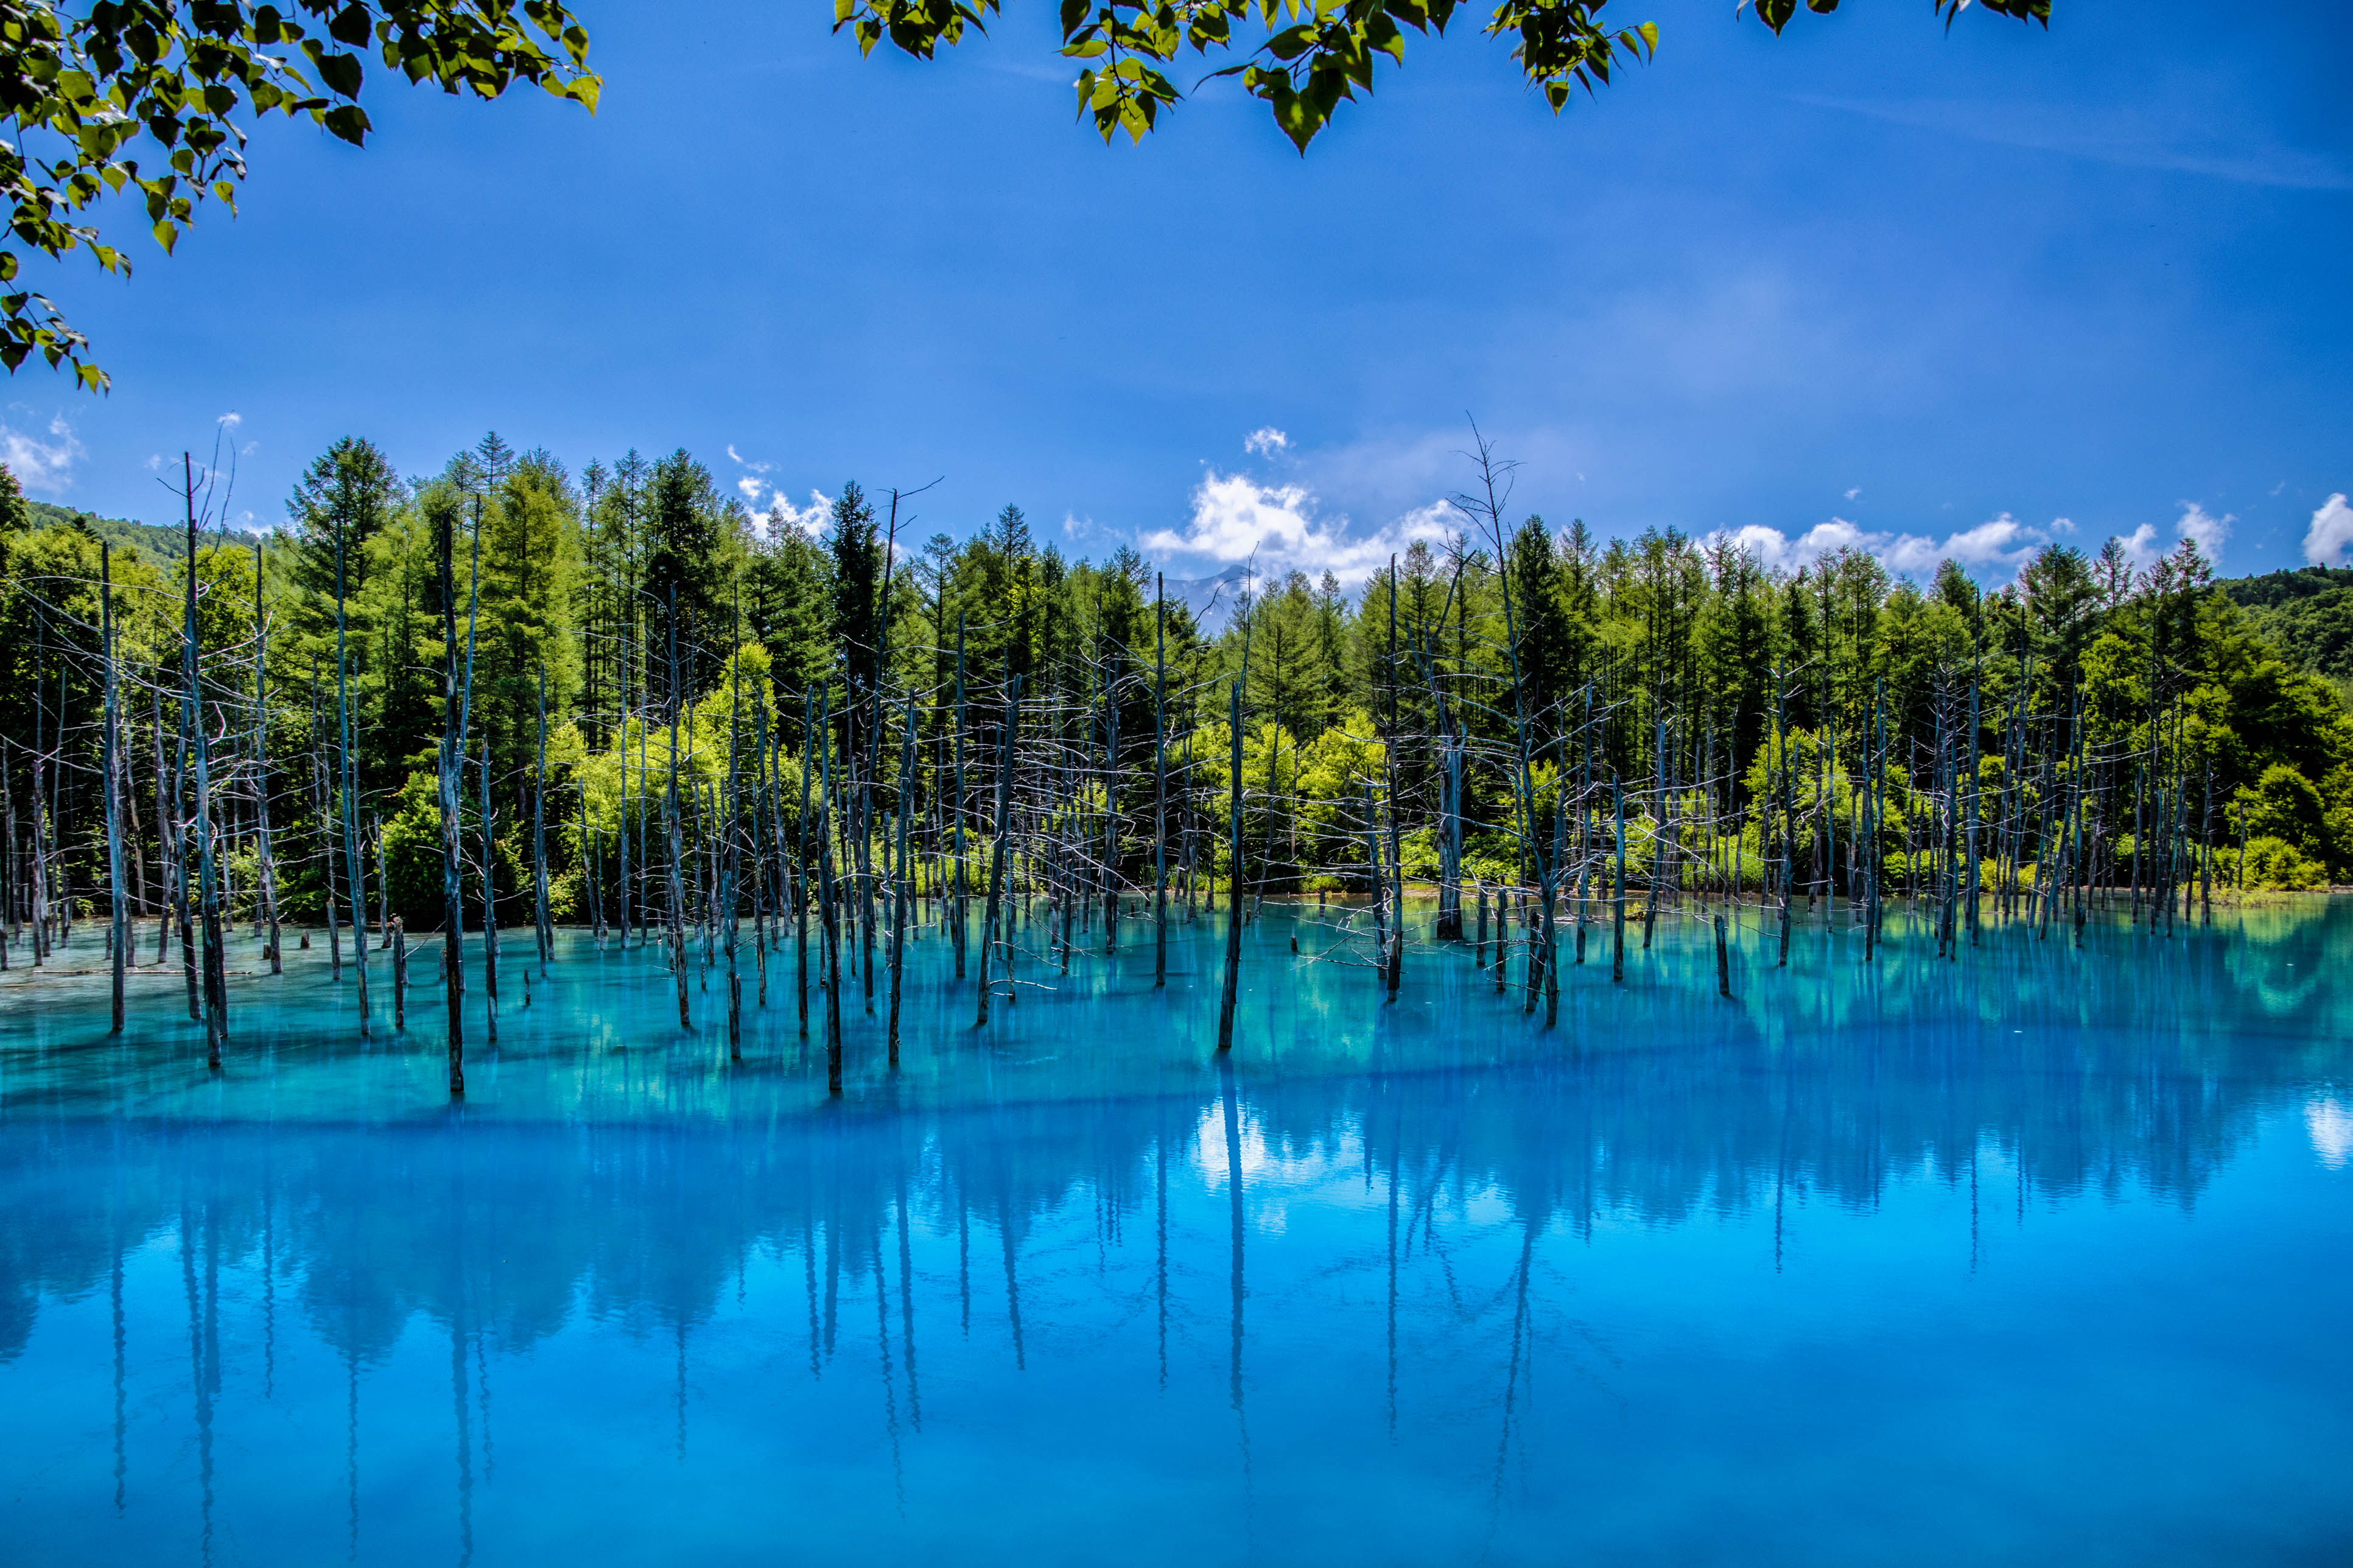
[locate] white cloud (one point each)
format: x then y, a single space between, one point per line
1855 492
752 487
808 520
1266 441
1277 528
2002 544
230 421
2331 533
41 465
2210 531
2140 545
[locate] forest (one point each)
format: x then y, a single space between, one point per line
617 698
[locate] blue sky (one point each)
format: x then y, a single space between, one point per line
1869 280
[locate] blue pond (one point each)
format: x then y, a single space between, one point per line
2039 1256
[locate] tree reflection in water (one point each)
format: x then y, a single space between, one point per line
1944 1261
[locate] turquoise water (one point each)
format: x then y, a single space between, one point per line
2039 1256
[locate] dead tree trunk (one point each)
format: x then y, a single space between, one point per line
1159 784
216 986
801 867
347 776
1000 832
545 922
900 889
110 770
1232 989
490 903
828 906
670 826
269 862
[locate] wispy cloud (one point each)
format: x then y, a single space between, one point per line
752 484
2331 533
1266 441
2133 138
41 465
806 520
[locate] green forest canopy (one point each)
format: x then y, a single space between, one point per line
1664 664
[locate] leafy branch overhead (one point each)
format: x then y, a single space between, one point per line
149 96
1310 55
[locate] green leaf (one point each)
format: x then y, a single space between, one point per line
341 73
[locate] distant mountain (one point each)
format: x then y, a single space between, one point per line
2306 613
157 542
1208 597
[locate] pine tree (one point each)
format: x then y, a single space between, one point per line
350 492
685 565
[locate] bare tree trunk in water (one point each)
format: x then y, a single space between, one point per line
1232 986
539 837
996 849
730 817
118 910
490 904
164 842
670 823
216 986
347 776
269 862
800 885
899 883
961 913
324 794
453 728
1159 782
830 907
181 889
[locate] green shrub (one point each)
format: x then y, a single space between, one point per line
2272 863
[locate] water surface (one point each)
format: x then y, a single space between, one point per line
2040 1255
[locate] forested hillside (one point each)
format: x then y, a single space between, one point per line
2307 614
1458 722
